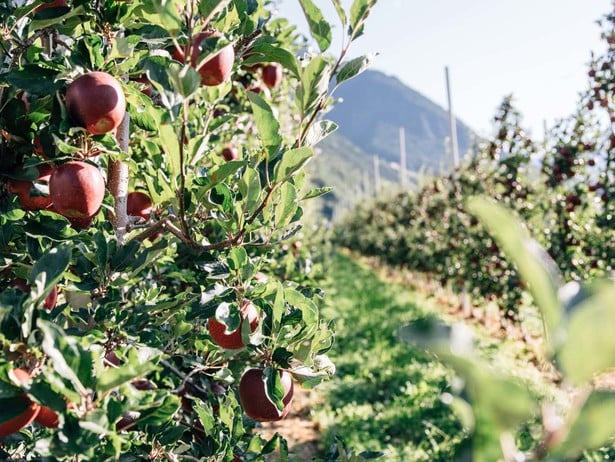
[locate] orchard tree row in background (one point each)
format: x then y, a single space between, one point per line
563 189
151 176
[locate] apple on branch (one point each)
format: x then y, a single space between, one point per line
77 190
255 399
96 101
215 69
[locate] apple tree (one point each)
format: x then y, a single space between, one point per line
151 169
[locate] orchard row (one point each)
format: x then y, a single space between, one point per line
563 189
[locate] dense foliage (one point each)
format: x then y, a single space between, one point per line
563 189
116 307
562 421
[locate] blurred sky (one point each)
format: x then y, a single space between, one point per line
538 50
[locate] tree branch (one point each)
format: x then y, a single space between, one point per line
118 184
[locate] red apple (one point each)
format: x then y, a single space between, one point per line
230 153
47 418
111 359
77 190
50 301
26 417
143 384
232 340
139 204
272 75
96 101
254 400
128 420
215 69
23 190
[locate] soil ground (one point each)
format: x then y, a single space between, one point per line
301 433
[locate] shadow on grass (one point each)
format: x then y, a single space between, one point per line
386 395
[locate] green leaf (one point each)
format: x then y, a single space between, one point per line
308 308
319 131
500 402
287 205
250 189
264 52
591 428
162 13
292 161
354 67
319 27
205 413
33 78
238 257
37 24
308 377
142 112
170 145
68 358
279 306
122 47
221 197
48 270
48 224
208 8
64 147
315 79
340 12
113 377
102 251
534 264
266 123
273 387
162 412
220 172
316 192
589 346
359 11
184 79
14 215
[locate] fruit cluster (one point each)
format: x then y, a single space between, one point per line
76 189
173 136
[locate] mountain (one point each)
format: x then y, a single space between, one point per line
342 165
373 108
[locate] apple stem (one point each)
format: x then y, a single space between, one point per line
118 184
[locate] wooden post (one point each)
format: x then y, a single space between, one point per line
377 181
452 122
402 158
366 183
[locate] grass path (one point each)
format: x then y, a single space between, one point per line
385 395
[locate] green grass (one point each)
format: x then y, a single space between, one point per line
386 394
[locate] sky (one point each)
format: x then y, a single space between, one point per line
537 50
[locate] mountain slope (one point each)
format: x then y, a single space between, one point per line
343 166
374 106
